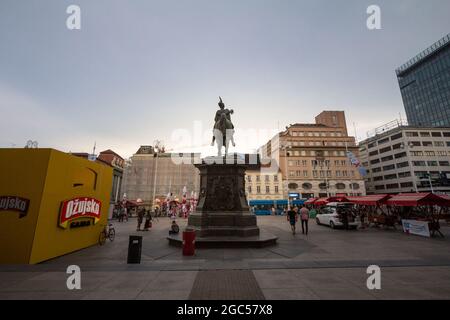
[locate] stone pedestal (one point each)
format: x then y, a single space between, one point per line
222 217
222 208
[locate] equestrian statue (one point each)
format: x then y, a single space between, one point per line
223 130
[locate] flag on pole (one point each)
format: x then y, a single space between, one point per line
355 162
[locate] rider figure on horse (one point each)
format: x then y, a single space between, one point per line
222 122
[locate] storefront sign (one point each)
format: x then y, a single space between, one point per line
13 203
416 227
79 208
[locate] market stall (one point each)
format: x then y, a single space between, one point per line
420 212
371 207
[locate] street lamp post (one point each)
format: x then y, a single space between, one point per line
406 147
284 146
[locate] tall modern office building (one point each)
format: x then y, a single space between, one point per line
425 86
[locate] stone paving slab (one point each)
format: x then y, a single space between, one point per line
299 267
226 285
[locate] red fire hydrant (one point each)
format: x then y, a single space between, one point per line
188 242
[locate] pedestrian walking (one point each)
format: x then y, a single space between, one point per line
304 216
140 218
273 210
292 217
148 220
121 210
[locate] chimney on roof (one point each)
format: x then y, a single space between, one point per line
335 119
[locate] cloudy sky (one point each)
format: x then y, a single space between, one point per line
142 70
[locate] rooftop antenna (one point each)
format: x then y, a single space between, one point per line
354 129
93 150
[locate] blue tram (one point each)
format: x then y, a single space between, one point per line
264 207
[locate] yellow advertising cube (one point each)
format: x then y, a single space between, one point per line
51 203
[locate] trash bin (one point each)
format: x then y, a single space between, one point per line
134 249
188 242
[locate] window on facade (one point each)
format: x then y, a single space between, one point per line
432 163
258 178
424 134
396 136
416 153
378 169
427 143
258 189
305 173
373 153
307 186
267 189
390 176
383 141
404 174
250 189
389 167
436 134
267 178
406 185
419 163
446 134
276 189
442 153
444 163
383 150
392 186
340 186
388 158
275 178
374 161
379 178
338 173
430 153
412 134
379 187
402 164
315 174
439 144
400 155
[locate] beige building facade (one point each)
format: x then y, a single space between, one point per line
264 185
313 158
149 174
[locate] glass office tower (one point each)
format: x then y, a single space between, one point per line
425 86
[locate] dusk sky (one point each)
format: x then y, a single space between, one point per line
139 70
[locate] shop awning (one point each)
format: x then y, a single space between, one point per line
337 199
417 199
446 197
321 201
370 200
311 200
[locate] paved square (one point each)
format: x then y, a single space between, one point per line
326 264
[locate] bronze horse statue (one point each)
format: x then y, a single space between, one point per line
223 131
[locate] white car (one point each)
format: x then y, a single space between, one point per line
329 216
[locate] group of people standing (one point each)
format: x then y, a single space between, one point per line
293 215
141 214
